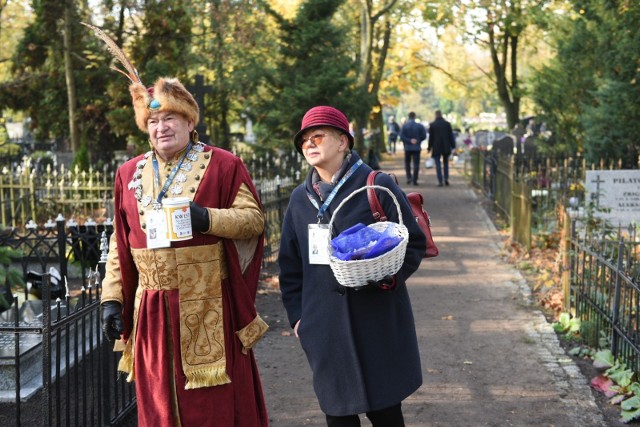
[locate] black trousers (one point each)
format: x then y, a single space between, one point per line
412 158
388 417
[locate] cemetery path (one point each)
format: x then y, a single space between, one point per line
489 356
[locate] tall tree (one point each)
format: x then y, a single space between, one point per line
37 86
497 26
589 94
314 67
235 45
375 37
67 37
564 87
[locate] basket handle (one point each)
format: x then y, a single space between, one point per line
366 187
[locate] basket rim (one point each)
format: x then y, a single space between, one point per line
354 273
405 238
366 187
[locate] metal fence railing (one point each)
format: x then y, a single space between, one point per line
537 187
56 362
605 291
31 192
274 195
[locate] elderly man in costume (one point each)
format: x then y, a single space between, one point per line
184 311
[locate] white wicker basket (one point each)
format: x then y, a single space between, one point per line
355 273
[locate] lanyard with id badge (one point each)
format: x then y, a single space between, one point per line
319 233
161 223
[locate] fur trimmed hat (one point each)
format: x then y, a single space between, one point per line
167 94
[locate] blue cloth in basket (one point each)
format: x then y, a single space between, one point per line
362 242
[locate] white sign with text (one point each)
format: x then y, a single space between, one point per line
617 190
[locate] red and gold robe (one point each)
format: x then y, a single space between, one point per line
189 310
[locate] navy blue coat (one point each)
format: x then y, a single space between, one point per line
361 345
412 129
441 140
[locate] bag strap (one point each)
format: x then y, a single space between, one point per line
374 203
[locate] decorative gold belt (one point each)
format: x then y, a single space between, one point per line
197 273
159 269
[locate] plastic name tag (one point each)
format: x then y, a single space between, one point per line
157 232
319 244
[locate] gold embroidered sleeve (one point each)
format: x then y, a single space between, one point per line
251 334
112 283
242 221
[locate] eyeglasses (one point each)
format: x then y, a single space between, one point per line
315 139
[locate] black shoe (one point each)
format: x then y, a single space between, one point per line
439 184
408 181
415 182
446 183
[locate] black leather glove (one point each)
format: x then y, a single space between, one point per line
386 283
112 320
199 218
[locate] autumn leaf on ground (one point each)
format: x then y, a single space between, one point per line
603 385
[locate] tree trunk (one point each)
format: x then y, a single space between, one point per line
220 92
71 85
368 75
507 91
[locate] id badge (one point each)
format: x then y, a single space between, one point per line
319 244
157 234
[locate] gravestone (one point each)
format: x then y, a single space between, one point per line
530 148
503 146
618 191
199 90
484 138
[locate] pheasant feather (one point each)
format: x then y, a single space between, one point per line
114 49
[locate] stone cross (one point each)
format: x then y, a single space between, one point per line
199 90
596 195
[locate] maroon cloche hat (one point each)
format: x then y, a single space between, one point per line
323 116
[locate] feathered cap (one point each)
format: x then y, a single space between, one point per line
167 94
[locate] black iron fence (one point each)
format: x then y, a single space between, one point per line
528 191
274 195
55 360
605 290
74 249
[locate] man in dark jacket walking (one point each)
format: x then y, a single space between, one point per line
441 143
412 135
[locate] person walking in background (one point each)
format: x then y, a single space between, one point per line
360 343
412 135
394 130
441 143
182 310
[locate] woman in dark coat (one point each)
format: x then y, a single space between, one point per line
361 343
